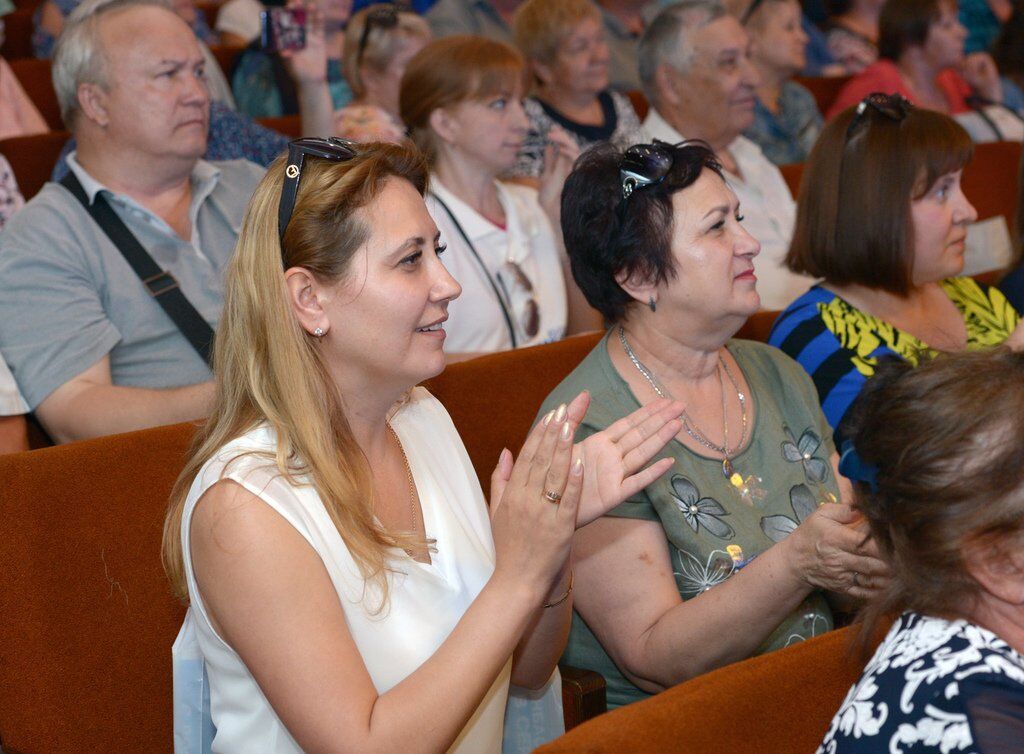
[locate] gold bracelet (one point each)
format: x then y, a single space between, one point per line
564 597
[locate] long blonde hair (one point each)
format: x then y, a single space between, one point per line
268 369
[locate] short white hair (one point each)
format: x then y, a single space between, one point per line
78 58
667 40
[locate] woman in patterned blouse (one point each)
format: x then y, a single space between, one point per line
881 217
936 458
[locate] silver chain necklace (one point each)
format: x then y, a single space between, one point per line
688 424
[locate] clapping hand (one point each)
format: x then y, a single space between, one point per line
559 156
614 459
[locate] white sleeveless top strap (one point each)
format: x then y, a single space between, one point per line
426 600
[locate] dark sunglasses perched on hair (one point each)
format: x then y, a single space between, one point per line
644 165
333 148
382 18
893 106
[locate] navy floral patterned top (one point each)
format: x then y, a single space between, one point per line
933 685
713 528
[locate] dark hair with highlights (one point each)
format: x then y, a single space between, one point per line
600 247
950 462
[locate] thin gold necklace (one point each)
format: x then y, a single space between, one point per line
688 424
414 529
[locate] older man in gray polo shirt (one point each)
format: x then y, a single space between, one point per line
92 351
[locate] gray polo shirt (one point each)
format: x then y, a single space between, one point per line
70 298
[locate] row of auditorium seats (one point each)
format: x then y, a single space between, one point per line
88 619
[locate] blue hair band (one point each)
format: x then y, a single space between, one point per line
856 469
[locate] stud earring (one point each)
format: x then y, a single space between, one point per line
653 304
319 332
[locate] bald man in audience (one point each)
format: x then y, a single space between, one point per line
90 347
700 84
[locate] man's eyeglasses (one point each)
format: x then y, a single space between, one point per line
383 18
334 149
893 106
644 165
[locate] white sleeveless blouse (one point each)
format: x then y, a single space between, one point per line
426 601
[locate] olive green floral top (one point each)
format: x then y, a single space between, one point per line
713 527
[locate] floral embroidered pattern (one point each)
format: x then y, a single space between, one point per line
802 451
696 576
778 527
911 696
700 511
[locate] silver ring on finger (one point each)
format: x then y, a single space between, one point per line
553 497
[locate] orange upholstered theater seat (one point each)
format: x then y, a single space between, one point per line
36 79
824 89
779 703
32 158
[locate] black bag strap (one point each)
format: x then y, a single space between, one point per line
161 284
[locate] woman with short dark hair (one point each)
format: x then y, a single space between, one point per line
882 219
924 445
921 57
747 529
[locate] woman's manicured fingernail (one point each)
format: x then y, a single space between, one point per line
565 432
560 415
577 467
548 416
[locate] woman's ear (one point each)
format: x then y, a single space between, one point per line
999 570
304 299
444 125
542 72
639 288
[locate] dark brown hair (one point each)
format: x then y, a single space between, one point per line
605 239
853 221
905 23
947 438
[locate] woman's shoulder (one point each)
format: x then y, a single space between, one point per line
609 394
767 365
806 308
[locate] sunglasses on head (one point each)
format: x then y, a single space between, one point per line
333 148
644 165
892 106
382 18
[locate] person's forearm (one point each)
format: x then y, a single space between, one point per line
544 639
97 410
316 108
723 625
427 710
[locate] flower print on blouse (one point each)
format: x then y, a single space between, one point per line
712 530
700 511
780 526
933 685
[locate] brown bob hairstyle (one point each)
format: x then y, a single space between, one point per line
853 222
453 70
949 475
905 23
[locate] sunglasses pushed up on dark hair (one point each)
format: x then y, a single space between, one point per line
892 106
333 149
644 165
